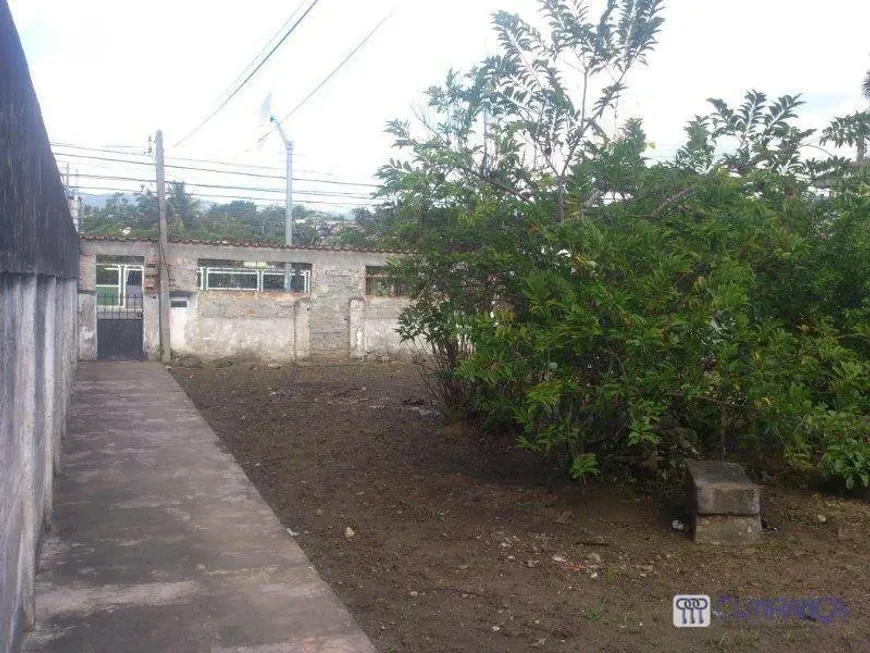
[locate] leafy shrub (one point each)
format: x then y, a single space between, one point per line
618 311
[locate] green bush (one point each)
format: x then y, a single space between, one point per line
615 311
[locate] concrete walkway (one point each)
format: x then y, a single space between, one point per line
160 542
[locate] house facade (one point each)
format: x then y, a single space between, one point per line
272 303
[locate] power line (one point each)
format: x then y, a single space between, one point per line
181 158
224 172
250 174
104 148
335 70
99 189
257 189
268 43
98 149
248 77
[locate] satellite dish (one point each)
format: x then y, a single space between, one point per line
266 111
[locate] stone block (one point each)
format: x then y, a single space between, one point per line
726 529
719 488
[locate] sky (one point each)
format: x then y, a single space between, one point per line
112 72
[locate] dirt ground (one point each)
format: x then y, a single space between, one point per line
460 544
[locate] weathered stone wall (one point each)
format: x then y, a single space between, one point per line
38 271
335 321
373 328
222 324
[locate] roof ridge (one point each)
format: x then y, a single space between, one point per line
258 244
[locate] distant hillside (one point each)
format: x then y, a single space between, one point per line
100 201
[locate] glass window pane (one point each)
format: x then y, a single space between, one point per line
108 275
301 281
232 280
108 296
273 281
377 283
134 277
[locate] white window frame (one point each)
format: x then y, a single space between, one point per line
204 272
121 269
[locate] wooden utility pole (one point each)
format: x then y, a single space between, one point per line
163 246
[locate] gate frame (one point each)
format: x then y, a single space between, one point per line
125 306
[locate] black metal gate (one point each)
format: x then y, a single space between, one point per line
120 332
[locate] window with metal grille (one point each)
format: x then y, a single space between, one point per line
117 284
379 283
300 279
255 276
231 279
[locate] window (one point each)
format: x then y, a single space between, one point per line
275 280
230 279
108 285
300 278
247 275
379 284
119 285
108 275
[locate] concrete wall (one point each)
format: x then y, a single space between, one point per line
335 321
223 324
373 324
38 315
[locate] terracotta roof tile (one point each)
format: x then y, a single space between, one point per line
322 248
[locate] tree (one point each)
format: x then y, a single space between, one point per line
377 227
516 122
852 130
120 217
714 305
237 220
181 207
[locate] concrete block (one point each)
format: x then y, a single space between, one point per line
87 322
183 277
719 488
11 575
726 529
87 273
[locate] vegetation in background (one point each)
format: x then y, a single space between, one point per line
187 217
611 311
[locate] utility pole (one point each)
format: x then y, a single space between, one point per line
288 208
163 246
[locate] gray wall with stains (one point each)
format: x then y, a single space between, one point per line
38 275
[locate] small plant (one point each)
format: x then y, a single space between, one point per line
629 621
849 460
584 465
594 613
